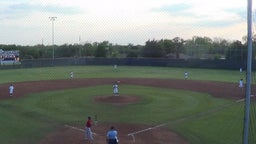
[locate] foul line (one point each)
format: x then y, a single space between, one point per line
78 129
187 118
75 128
241 100
175 121
150 128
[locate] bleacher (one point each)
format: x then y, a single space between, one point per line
9 57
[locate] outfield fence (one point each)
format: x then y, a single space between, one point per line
164 62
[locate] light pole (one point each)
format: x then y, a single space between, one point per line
52 19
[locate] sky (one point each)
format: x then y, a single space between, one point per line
27 22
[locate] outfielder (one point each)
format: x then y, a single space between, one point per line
186 75
11 89
71 74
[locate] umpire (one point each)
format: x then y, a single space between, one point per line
112 136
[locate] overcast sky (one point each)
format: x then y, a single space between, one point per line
26 22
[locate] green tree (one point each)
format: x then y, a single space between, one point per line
152 49
65 51
88 50
167 45
237 51
133 51
178 46
219 46
198 46
102 49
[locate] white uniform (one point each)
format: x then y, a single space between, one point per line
186 75
115 89
71 74
241 83
11 89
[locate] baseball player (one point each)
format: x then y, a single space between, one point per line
241 70
88 131
71 74
11 89
241 83
186 75
115 89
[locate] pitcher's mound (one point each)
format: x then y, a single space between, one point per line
118 100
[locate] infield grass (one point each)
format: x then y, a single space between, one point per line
195 116
39 113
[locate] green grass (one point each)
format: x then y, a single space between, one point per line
28 119
38 113
50 73
21 126
223 127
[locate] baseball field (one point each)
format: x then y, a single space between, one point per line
156 105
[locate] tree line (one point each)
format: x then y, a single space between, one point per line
177 48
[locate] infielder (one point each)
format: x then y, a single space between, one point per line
115 89
11 89
241 83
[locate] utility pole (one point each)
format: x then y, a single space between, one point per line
248 74
52 19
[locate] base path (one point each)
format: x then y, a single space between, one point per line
217 89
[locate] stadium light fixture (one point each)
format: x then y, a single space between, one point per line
52 19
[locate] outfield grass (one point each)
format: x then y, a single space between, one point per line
28 119
50 73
